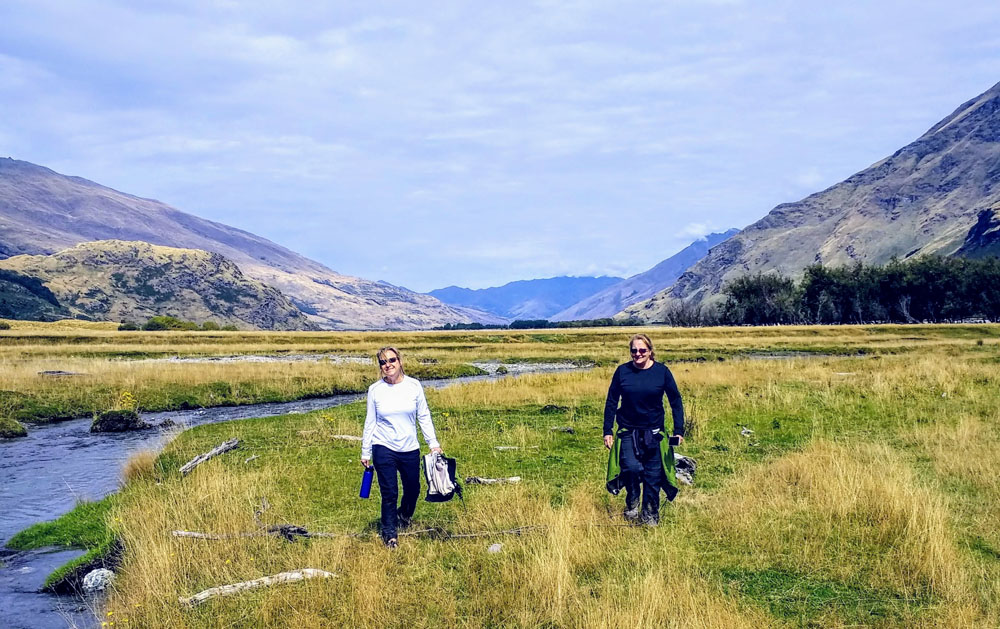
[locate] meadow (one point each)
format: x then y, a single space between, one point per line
866 494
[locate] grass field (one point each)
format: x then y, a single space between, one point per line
866 495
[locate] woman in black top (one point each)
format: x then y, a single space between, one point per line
640 386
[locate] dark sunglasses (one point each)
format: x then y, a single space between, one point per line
381 363
639 350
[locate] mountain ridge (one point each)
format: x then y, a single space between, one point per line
525 299
923 199
115 280
43 212
617 297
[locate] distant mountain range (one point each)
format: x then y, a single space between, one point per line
114 280
43 212
525 299
937 195
615 298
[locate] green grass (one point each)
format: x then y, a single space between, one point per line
866 496
10 427
84 527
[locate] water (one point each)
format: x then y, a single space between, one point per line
43 475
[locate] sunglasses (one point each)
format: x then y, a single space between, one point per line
639 350
381 363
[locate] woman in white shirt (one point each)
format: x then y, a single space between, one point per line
396 403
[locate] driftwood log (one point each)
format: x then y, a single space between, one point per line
235 588
346 437
232 444
476 480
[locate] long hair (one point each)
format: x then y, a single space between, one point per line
646 340
380 355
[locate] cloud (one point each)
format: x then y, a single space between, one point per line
537 134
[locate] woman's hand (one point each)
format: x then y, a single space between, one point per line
365 462
609 440
438 450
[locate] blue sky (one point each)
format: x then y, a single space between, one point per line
474 143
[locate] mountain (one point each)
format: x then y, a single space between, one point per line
26 297
984 238
923 199
617 297
525 299
43 212
114 280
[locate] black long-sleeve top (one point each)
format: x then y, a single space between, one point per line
641 393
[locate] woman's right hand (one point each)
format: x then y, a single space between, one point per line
365 462
609 440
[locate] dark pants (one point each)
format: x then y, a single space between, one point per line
387 464
648 472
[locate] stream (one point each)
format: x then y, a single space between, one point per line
43 476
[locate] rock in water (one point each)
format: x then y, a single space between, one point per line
97 580
118 421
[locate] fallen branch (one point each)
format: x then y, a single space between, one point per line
251 459
346 437
476 480
563 429
235 588
232 444
517 531
216 536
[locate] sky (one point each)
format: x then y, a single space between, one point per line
477 143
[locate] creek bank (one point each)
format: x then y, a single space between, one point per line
34 411
58 465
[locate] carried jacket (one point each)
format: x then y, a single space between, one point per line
615 483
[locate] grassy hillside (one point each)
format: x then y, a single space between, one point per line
866 495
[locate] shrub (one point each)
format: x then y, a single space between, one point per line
4 325
128 326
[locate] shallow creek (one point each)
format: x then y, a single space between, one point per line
43 475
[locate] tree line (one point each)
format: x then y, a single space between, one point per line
929 289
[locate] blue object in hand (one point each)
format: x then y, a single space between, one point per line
366 482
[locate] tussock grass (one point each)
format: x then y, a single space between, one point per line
140 465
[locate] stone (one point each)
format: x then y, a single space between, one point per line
495 548
97 580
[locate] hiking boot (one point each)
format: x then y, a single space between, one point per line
631 513
392 543
403 523
650 520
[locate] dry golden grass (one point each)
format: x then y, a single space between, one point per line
866 496
139 466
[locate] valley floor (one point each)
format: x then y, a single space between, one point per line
865 495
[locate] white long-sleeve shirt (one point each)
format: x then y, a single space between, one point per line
393 413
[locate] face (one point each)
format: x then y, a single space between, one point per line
640 353
390 365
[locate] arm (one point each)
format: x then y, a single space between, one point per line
611 408
369 430
676 404
424 419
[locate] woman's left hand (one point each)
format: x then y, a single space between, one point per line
439 450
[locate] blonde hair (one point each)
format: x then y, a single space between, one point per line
380 355
646 341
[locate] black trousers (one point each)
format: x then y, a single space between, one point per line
387 464
647 472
